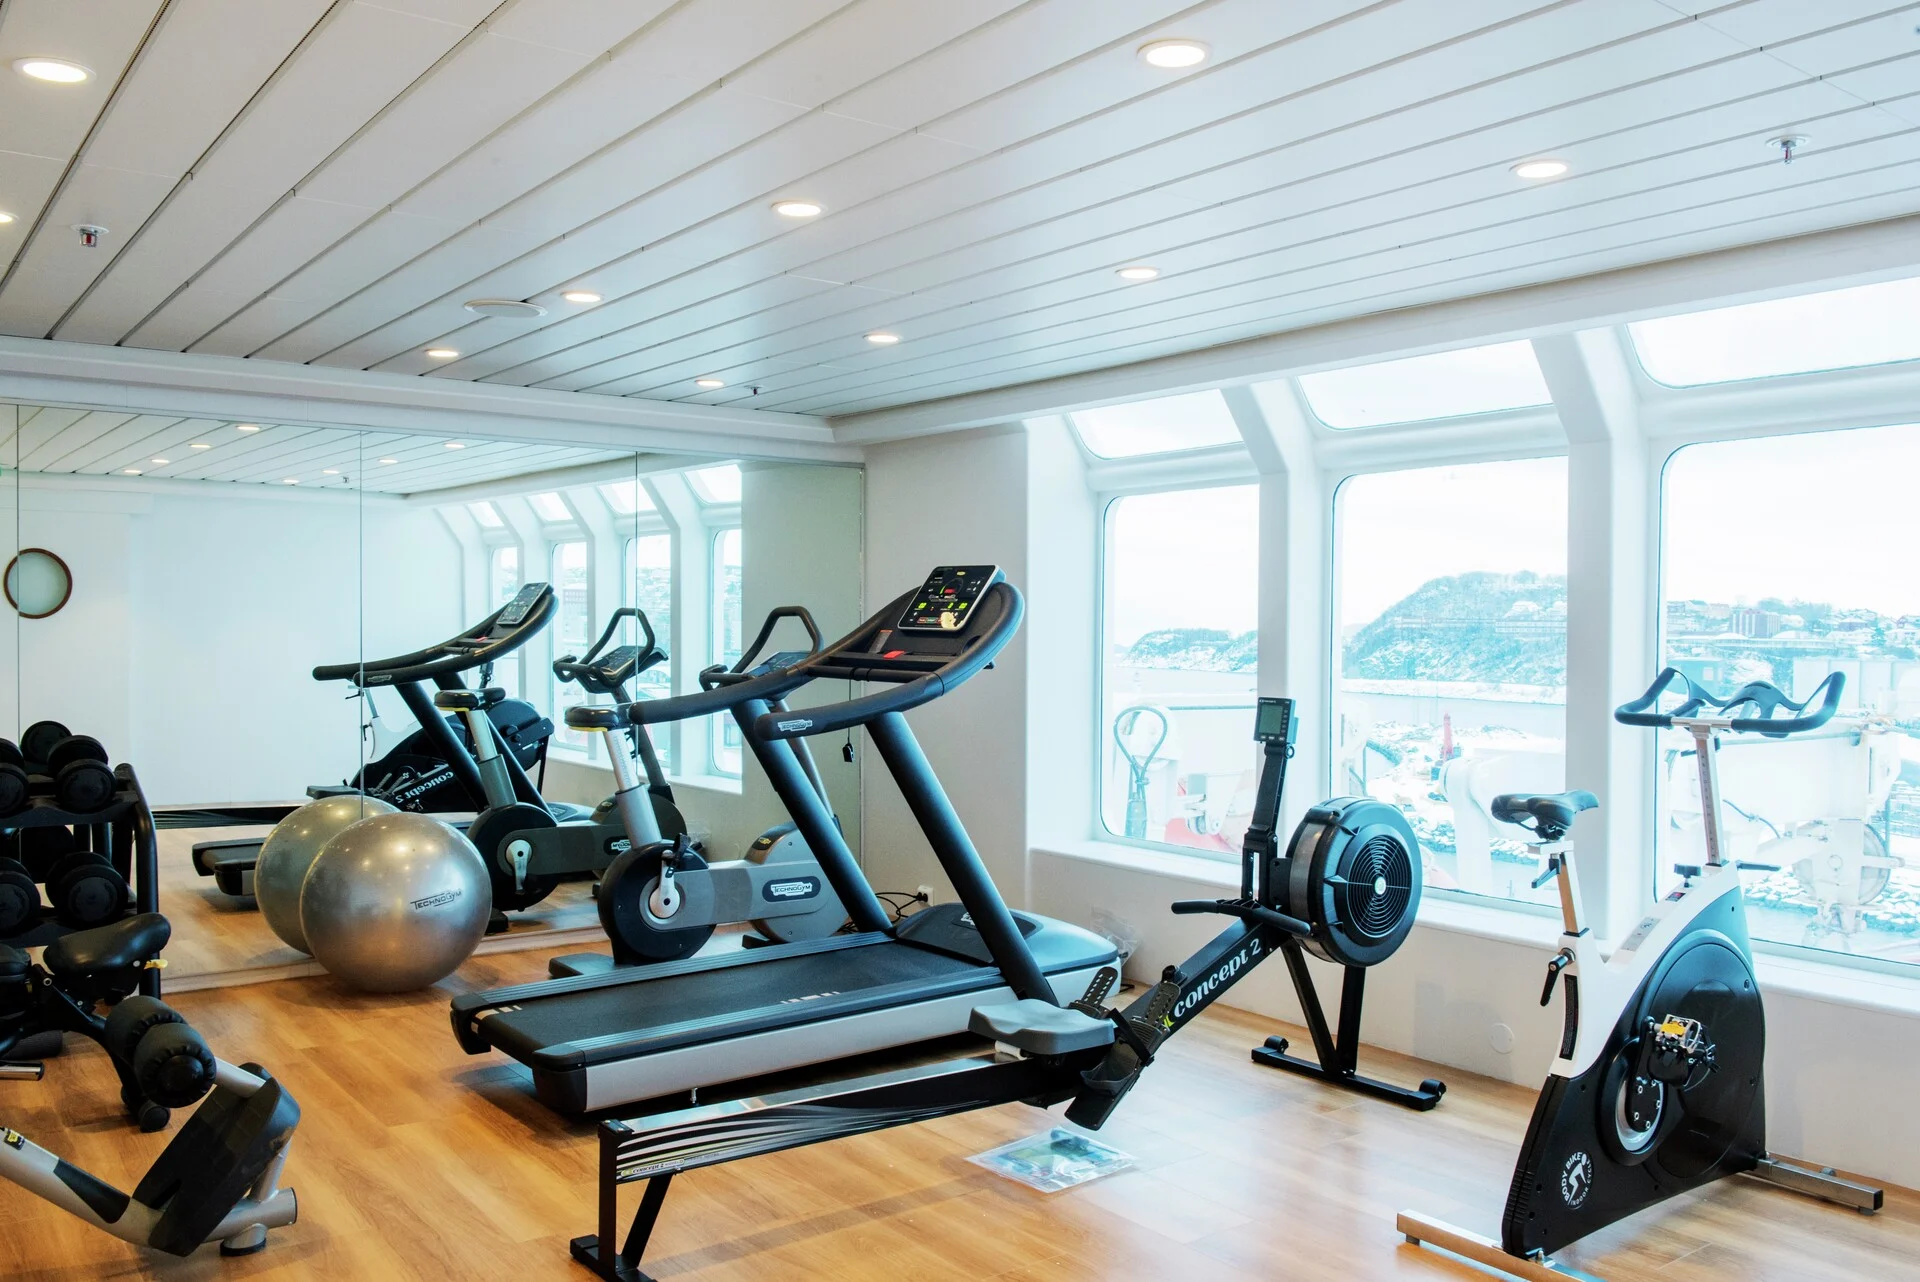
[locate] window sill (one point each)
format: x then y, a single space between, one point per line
707 783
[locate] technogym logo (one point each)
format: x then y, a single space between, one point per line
1576 1180
800 888
436 901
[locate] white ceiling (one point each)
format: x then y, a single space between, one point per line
97 443
327 182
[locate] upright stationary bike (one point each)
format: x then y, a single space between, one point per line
1658 1085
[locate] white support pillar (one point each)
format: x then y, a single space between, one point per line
1610 643
692 612
1293 575
536 566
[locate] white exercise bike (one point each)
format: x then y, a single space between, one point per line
1657 1088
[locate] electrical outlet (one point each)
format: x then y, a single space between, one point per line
926 894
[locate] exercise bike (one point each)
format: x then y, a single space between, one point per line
1657 1088
661 899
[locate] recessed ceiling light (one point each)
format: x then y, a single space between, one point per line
246 427
1138 272
57 70
291 480
799 208
504 308
442 353
581 296
1540 170
455 445
709 383
5 217
389 460
881 338
159 462
131 471
1173 55
199 445
329 471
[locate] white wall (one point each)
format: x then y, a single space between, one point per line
954 500
198 614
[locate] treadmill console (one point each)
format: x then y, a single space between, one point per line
950 592
520 607
1273 721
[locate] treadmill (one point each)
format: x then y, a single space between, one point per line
593 1041
230 861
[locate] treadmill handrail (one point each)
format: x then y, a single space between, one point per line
469 650
912 683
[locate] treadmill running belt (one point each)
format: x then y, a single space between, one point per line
598 1025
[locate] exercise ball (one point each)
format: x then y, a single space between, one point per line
290 850
395 902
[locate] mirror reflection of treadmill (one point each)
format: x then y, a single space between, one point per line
593 1041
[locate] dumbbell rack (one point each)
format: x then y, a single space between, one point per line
122 831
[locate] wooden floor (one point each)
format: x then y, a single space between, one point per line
219 941
414 1161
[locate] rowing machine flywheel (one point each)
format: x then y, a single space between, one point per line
1352 870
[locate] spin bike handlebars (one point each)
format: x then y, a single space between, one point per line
1762 697
498 635
580 671
724 688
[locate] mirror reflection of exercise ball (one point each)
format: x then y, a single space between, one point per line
289 851
395 903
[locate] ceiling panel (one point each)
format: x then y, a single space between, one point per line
329 182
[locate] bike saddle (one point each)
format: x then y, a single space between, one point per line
1550 813
121 946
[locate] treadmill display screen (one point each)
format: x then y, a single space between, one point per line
521 606
950 593
1273 721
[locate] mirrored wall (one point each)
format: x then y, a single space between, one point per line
174 584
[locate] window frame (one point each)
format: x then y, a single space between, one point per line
1173 480
716 633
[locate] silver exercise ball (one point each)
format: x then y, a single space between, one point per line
395 902
290 850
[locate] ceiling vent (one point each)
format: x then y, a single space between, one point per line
505 308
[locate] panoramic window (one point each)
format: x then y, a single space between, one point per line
627 497
649 585
1787 592
716 484
1839 329
1179 647
1451 669
1190 422
550 507
727 642
1473 380
571 633
503 571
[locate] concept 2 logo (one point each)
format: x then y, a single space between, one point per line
1576 1180
1223 974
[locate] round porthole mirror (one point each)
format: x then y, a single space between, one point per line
38 583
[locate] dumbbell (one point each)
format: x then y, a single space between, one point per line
41 848
86 890
14 793
82 777
41 738
19 898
